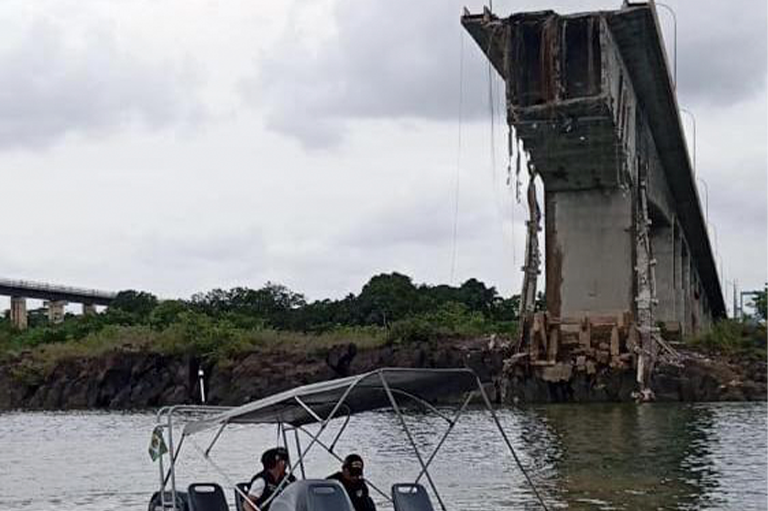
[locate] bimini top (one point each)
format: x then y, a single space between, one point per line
360 393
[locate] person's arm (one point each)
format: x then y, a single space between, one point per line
369 504
254 493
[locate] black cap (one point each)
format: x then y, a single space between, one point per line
354 464
271 456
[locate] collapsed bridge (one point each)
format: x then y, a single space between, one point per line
590 100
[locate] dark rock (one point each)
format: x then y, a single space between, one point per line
340 357
136 379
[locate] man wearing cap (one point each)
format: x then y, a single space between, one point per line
351 477
266 483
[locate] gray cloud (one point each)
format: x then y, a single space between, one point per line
398 59
53 86
239 250
420 221
721 50
239 205
390 59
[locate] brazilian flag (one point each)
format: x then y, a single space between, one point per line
157 445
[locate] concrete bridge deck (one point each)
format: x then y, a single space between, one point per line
591 98
55 296
50 292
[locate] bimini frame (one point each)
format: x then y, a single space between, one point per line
323 402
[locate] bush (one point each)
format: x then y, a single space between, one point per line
139 304
221 323
733 337
195 332
166 313
451 320
413 330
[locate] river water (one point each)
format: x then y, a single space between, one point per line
613 456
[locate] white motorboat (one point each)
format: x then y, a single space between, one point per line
319 404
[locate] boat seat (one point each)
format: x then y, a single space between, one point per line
411 497
206 497
156 503
327 496
313 495
243 487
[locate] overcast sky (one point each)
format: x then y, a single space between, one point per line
180 145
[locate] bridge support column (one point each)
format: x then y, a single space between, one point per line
56 311
677 272
19 312
588 243
89 309
663 243
685 275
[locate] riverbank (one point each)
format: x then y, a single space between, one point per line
133 376
696 377
128 377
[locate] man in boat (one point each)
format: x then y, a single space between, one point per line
268 482
351 477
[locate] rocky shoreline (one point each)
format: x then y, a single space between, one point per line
697 377
128 379
134 379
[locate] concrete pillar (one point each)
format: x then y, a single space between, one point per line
589 252
19 312
695 313
56 311
706 316
663 247
89 309
678 275
686 289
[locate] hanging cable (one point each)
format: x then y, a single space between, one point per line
506 207
497 103
491 106
458 159
493 99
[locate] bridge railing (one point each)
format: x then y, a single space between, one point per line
43 287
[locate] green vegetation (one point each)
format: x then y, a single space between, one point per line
761 304
741 338
736 338
222 323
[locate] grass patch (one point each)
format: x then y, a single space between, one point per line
450 321
733 338
174 328
212 340
218 343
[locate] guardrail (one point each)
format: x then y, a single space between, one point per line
42 287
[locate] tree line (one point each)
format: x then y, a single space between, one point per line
384 300
389 303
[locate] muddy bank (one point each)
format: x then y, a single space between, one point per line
136 379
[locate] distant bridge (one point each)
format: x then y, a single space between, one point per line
56 296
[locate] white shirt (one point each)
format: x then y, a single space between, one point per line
257 488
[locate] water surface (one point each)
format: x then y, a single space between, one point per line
613 456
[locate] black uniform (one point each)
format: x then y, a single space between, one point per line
357 491
270 487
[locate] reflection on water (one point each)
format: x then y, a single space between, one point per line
665 456
660 456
